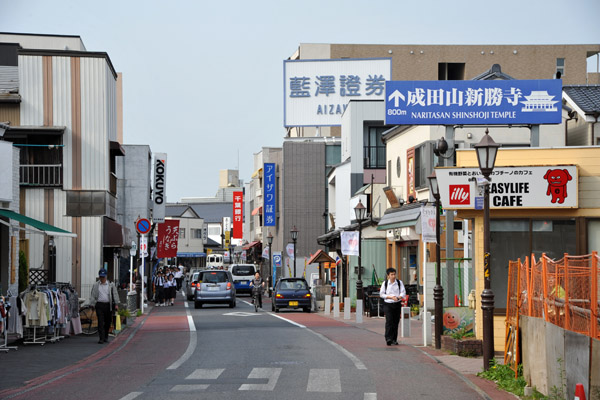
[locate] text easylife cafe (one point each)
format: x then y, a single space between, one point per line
541 200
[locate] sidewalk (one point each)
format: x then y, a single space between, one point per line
466 367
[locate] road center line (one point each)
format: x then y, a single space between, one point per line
357 363
131 396
191 345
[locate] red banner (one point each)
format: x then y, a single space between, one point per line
238 215
168 235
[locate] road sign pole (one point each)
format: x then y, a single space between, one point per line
143 275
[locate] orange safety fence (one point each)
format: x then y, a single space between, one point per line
564 292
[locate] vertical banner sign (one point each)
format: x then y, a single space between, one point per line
168 236
238 215
410 173
428 224
269 190
350 243
144 246
159 196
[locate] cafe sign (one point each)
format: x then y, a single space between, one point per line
510 187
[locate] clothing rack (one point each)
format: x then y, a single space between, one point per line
4 346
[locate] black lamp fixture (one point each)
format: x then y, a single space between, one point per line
438 290
487 150
360 212
294 233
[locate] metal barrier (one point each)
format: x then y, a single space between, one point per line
564 292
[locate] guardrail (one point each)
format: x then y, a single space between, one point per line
41 175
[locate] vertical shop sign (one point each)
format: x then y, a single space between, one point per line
238 215
410 173
168 237
159 196
270 194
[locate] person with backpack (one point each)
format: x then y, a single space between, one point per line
392 292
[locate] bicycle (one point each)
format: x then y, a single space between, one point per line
255 294
89 320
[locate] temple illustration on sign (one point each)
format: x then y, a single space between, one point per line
539 101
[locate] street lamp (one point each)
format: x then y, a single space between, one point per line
360 212
487 150
438 290
270 242
294 233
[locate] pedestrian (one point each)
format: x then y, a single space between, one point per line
257 284
392 291
159 287
179 276
170 289
105 299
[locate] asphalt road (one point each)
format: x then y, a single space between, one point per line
221 353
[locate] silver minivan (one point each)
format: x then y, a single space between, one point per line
242 275
214 286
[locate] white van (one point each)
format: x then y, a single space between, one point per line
214 261
242 275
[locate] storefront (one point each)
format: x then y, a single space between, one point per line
541 201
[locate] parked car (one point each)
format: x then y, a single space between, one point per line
214 286
242 275
291 293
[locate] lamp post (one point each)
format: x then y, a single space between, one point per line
271 277
360 212
438 290
294 233
487 150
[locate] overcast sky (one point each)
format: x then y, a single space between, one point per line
203 80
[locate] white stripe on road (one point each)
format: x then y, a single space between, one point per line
188 388
206 373
131 396
287 320
370 396
191 322
357 363
324 380
272 374
185 303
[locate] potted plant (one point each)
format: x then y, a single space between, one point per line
414 310
124 314
462 343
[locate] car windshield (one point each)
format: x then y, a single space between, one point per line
214 277
195 277
243 270
292 285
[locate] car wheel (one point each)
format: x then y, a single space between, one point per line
307 309
197 304
276 309
232 304
272 306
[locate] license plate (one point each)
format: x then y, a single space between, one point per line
213 288
293 303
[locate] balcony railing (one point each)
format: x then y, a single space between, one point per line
41 175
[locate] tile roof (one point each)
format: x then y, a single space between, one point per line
494 73
585 97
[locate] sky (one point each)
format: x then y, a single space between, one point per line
203 81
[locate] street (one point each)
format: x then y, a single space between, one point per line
238 354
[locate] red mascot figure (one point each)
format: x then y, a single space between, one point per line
557 184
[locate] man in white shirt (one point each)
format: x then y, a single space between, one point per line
179 277
105 298
392 292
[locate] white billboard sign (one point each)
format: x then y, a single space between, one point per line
510 187
317 92
6 166
428 222
159 196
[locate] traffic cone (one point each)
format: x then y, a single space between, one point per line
579 392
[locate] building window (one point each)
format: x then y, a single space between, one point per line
196 233
214 230
181 233
424 160
517 238
560 67
451 71
373 148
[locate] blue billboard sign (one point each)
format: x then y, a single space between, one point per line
270 194
491 102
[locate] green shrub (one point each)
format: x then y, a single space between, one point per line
23 272
504 377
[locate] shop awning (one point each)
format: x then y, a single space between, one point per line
403 217
40 227
251 245
320 257
256 173
257 210
113 233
